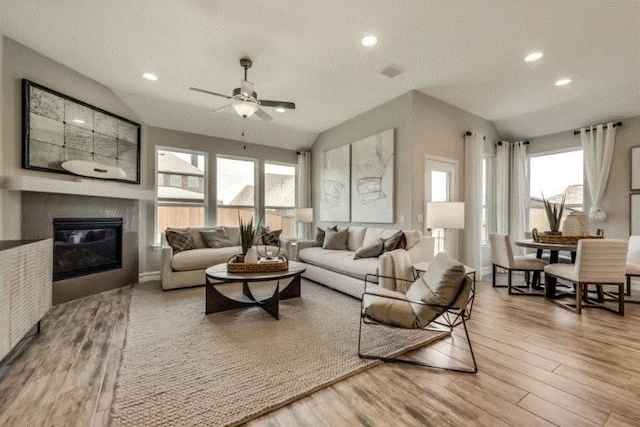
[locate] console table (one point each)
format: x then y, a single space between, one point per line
25 288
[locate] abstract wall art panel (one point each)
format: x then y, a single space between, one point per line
334 191
57 128
372 178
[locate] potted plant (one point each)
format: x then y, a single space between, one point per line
247 234
554 214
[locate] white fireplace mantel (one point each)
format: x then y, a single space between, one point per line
79 187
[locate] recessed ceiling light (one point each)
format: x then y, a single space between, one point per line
533 56
369 41
280 110
79 121
563 82
150 76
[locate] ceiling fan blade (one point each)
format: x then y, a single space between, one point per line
263 115
221 108
282 104
209 92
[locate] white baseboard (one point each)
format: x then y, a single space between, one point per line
487 271
149 276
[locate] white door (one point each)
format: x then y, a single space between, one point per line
440 186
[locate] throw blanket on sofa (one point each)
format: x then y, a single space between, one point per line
396 263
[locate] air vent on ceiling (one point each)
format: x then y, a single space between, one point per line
392 71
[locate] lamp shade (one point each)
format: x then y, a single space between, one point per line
244 108
445 215
304 215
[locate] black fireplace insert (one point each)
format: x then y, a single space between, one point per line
84 246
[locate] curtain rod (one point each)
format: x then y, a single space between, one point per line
468 133
577 132
524 142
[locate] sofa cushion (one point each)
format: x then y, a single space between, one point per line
412 237
336 239
439 285
356 238
341 262
199 259
374 234
180 240
216 238
370 251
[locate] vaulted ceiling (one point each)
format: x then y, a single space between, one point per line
467 53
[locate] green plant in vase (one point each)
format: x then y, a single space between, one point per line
247 234
554 213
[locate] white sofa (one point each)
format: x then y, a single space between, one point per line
185 269
339 270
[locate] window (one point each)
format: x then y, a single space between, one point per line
235 190
180 206
194 181
555 175
280 197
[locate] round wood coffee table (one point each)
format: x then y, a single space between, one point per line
219 276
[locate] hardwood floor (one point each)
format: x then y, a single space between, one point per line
539 365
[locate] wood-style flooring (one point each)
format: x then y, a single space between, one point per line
539 365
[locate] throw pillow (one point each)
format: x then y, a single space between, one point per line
180 240
336 239
216 238
370 251
272 238
259 233
320 236
395 242
439 285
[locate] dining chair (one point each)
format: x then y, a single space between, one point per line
599 262
633 261
502 256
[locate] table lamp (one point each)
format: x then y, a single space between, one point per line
445 215
304 216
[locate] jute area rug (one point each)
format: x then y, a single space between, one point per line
181 367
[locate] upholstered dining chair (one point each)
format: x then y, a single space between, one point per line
502 256
633 261
435 300
599 262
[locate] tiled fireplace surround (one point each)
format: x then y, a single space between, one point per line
38 212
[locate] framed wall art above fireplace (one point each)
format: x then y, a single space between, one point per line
57 128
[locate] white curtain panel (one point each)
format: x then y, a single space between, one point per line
473 153
303 184
598 151
518 193
502 187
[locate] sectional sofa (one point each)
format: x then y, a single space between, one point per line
339 270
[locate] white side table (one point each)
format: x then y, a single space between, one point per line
291 246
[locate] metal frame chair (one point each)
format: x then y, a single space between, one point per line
451 317
633 265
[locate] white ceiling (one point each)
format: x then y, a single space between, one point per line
467 53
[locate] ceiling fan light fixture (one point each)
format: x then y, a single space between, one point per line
244 108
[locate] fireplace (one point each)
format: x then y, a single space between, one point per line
83 246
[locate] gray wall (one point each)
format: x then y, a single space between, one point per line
423 126
394 114
616 197
20 62
213 147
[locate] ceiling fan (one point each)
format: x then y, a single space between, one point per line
245 99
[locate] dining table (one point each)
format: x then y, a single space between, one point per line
553 248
